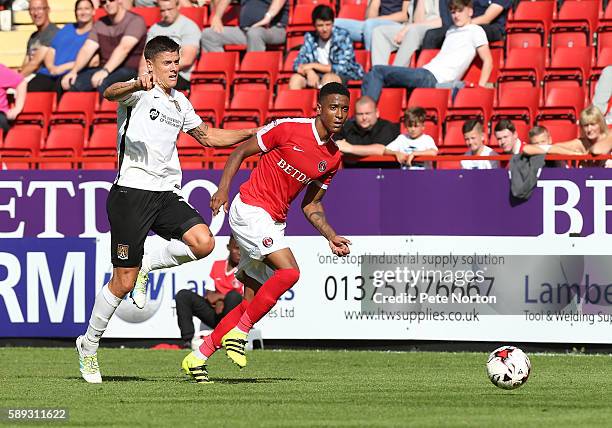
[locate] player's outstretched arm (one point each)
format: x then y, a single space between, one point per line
119 90
312 206
221 196
215 137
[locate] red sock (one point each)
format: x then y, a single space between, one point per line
267 296
212 342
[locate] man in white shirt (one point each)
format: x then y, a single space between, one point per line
145 194
463 41
507 138
475 139
183 31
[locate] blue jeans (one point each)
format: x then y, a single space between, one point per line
362 30
389 75
83 80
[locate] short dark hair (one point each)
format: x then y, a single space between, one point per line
158 45
537 130
333 88
459 4
322 12
415 115
76 4
504 124
470 125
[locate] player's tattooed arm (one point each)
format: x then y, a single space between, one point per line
215 137
312 206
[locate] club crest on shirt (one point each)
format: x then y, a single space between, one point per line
123 251
267 242
153 114
322 166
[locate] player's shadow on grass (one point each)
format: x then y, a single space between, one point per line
239 380
122 379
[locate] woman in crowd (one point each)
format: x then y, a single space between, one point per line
64 49
594 139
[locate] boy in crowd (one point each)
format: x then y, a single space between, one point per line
474 136
405 147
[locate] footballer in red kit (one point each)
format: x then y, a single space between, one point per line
295 154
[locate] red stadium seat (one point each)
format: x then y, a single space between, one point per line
301 14
38 107
472 101
290 103
258 70
216 68
472 75
247 106
150 15
353 11
391 104
453 136
434 101
517 104
209 104
286 69
355 94
425 56
199 15
574 24
604 39
569 67
604 59
560 130
530 24
188 148
363 57
564 103
103 142
523 67
22 141
66 140
75 107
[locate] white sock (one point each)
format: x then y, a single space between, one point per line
199 354
174 254
103 310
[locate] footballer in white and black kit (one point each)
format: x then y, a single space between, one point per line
146 193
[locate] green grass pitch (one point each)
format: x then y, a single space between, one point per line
308 388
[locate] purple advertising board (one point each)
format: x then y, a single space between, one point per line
55 204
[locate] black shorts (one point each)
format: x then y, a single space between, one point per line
133 212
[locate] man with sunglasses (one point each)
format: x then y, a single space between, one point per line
119 37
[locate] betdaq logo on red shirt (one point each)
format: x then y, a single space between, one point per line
293 172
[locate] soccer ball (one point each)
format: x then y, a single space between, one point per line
508 367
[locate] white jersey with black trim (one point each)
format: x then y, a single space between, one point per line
148 123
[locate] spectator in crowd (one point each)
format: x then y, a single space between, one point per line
128 4
120 38
603 93
367 128
463 41
10 79
507 138
327 55
64 48
405 39
261 23
595 139
216 303
40 40
183 31
474 136
378 12
489 14
405 147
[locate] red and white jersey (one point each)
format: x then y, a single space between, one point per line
224 279
293 157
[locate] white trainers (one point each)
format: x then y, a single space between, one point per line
88 364
139 292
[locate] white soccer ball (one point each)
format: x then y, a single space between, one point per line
508 367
